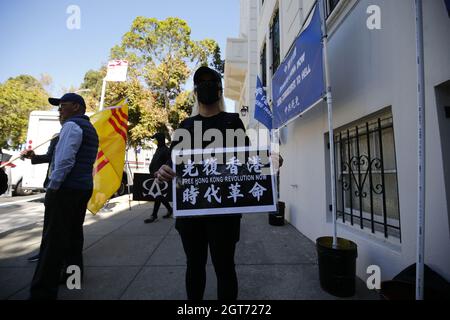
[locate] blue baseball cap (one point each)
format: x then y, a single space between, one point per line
68 97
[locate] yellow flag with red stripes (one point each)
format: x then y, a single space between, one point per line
111 125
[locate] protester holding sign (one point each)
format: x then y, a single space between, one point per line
219 231
209 129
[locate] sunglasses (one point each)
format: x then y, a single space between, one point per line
62 105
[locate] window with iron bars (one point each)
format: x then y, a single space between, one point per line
366 176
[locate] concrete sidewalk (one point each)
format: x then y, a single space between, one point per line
127 259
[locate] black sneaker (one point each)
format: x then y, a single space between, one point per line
151 220
33 258
167 216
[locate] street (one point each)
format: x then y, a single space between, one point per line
18 212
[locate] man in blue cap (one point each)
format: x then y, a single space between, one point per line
68 192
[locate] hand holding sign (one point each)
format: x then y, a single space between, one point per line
165 173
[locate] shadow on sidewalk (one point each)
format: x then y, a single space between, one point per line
127 259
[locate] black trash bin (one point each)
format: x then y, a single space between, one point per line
277 218
337 266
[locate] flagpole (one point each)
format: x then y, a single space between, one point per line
20 156
127 166
102 99
420 153
329 100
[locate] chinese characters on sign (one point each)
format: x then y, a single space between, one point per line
298 83
225 181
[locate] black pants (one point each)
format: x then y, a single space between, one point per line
158 204
221 234
62 240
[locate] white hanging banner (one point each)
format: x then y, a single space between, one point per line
117 71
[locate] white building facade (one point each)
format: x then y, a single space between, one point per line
374 85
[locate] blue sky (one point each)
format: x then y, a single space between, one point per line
35 38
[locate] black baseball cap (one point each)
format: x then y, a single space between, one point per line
205 70
68 97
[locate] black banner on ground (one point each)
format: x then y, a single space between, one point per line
145 188
223 181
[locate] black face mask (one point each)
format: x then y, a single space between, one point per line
207 92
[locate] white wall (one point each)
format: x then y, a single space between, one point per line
252 59
371 70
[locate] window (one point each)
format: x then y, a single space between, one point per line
331 4
366 176
275 36
263 62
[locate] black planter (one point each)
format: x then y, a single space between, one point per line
337 266
277 218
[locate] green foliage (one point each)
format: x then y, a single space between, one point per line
161 57
217 62
181 109
91 88
18 97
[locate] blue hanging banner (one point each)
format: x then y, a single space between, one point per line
262 110
298 82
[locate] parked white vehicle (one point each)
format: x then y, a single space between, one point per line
42 126
15 173
25 177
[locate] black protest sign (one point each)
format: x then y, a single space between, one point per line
145 188
223 181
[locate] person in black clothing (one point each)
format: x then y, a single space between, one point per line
161 156
218 232
39 159
3 181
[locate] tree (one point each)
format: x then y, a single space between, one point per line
46 81
181 109
161 56
18 97
91 88
217 62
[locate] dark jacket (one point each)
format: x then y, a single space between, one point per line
80 177
161 156
46 158
3 181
